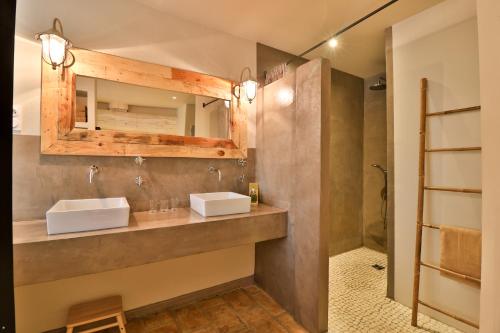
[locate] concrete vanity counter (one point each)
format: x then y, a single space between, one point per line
39 257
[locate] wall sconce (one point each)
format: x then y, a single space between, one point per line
55 46
249 84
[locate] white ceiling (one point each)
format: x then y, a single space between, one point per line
290 25
296 25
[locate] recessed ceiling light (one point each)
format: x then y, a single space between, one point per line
174 97
333 43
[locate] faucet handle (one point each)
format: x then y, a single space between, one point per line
139 160
139 181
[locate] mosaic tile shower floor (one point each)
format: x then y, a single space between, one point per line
357 301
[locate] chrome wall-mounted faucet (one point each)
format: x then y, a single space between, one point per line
93 170
242 163
212 169
139 160
242 178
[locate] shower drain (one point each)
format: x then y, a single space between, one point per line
378 267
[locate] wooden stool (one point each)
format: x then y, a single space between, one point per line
94 311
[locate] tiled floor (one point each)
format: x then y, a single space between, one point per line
242 310
357 304
357 301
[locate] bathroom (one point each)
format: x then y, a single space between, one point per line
160 105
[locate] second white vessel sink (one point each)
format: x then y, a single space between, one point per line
219 203
87 214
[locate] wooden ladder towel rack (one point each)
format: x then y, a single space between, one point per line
420 207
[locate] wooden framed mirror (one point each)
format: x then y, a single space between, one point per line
113 106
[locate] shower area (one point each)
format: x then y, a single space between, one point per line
358 163
357 224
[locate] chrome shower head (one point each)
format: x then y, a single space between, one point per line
379 85
378 166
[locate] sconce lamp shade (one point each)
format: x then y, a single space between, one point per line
249 84
55 47
250 89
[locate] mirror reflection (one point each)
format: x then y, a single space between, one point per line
110 105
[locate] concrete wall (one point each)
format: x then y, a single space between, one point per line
374 152
346 162
292 169
346 150
389 60
269 57
489 53
440 44
40 181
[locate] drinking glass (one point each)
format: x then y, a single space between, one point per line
153 206
174 203
164 205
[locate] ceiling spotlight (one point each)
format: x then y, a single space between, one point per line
333 43
174 97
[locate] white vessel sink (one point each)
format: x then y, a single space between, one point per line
219 203
87 214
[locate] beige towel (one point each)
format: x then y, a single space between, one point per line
461 250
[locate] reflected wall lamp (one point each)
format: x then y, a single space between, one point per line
55 46
248 83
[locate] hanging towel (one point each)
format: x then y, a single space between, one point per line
461 250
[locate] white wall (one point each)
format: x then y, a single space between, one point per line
133 30
440 44
112 91
128 29
181 119
89 85
27 70
488 14
211 120
202 117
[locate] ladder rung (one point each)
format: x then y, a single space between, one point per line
442 113
100 328
436 150
431 226
424 114
447 271
452 189
465 321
